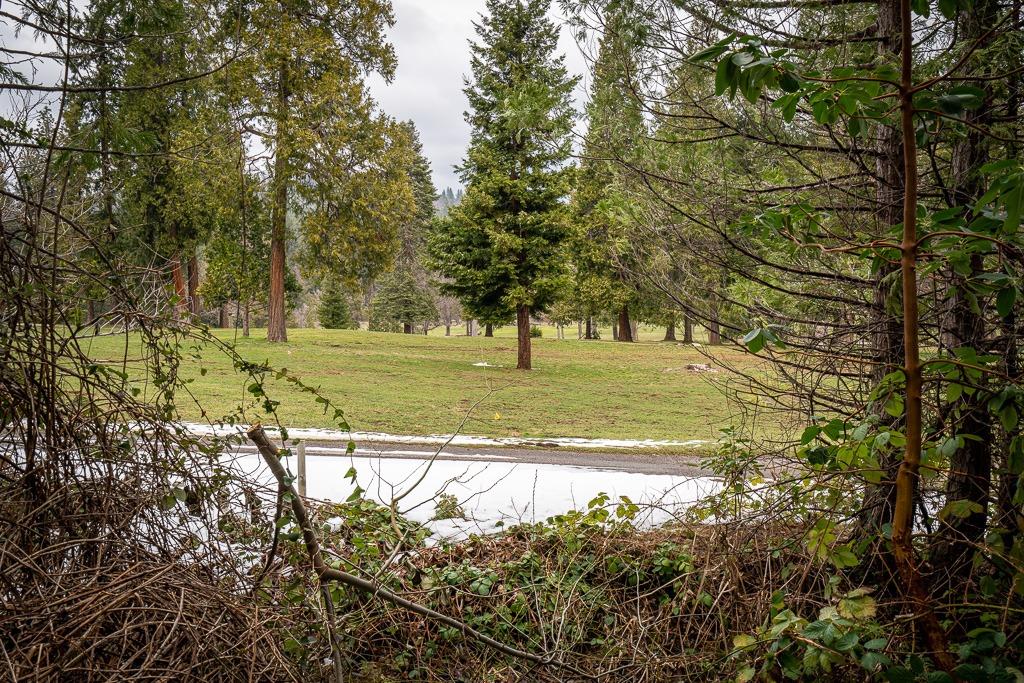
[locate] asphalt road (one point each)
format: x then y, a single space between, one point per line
638 461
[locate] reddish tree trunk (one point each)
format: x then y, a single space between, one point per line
180 289
714 333
523 329
276 331
625 327
222 321
193 286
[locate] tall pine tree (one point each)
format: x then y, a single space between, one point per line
501 247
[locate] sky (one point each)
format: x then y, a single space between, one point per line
431 41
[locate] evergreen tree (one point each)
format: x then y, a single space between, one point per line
501 248
412 231
305 97
401 303
333 311
600 243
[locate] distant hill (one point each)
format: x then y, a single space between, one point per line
446 200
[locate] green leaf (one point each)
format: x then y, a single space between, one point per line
754 340
847 642
899 674
707 54
723 76
948 8
960 508
1009 417
743 641
894 405
789 82
921 8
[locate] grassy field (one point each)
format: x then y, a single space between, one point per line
416 384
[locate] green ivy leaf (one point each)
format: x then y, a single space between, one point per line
960 509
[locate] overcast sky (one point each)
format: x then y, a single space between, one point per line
431 40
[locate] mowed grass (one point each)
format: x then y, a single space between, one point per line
417 384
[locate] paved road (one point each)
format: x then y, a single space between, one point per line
635 461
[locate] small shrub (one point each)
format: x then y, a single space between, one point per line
448 507
535 331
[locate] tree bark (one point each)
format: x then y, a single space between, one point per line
687 329
406 328
180 289
589 334
523 329
91 317
448 330
970 467
245 321
276 322
887 332
579 329
625 327
714 332
615 330
194 305
670 331
488 330
223 317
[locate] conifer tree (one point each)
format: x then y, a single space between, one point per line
304 95
502 247
333 312
614 124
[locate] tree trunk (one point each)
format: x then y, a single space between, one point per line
406 328
91 318
523 331
448 330
194 305
687 329
180 288
222 321
670 331
245 321
615 330
625 326
276 330
579 329
970 467
876 510
589 334
488 330
714 332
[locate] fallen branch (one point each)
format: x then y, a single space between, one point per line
326 574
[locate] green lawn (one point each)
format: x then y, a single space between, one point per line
416 384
